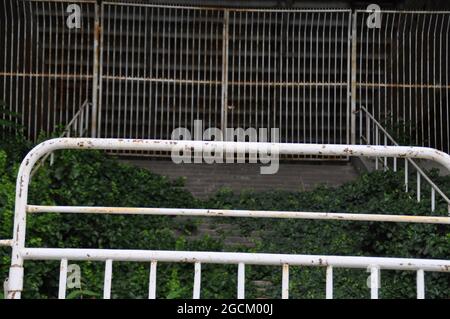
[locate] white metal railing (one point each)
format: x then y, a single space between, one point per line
20 253
77 126
376 132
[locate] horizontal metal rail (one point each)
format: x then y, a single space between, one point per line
238 213
387 137
21 253
235 258
6 242
373 264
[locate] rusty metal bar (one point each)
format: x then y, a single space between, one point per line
353 262
238 213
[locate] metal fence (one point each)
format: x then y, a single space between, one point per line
20 252
148 69
168 66
46 69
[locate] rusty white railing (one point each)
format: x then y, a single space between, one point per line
20 253
400 71
77 126
374 132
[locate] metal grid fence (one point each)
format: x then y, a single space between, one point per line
161 68
46 69
402 75
164 67
148 69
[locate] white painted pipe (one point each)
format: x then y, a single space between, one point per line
235 258
238 213
283 148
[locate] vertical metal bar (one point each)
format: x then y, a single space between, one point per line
447 106
406 175
144 75
374 279
322 79
299 80
164 68
420 284
100 72
39 126
252 73
197 85
52 46
152 281
285 282
410 74
151 75
441 127
397 71
224 99
62 279
107 282
256 51
376 143
433 199
133 91
358 75
386 89
395 163
329 283
417 58
311 79
305 63
422 103
171 53
239 66
112 105
428 81
95 71
368 130
316 87
403 67
197 280
209 65
241 281
120 57
418 187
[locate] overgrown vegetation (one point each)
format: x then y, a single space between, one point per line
91 178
